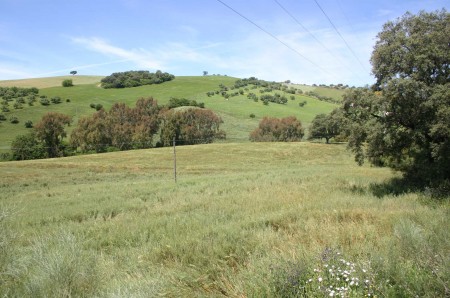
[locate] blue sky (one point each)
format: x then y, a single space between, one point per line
98 37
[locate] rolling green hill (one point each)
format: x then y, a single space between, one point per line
235 111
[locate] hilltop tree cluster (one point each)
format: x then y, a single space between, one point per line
129 79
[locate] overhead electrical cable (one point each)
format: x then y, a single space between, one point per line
273 36
313 36
340 35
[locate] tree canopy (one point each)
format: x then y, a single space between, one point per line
405 123
287 129
135 78
51 131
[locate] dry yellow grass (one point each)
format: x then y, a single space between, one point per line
50 81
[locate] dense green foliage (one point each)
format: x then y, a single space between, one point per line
28 147
122 127
190 126
132 78
51 132
326 126
405 125
183 102
45 140
67 83
287 129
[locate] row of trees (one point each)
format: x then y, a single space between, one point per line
120 128
129 79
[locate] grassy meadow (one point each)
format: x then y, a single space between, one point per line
244 220
235 111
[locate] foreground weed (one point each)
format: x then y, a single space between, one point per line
332 276
336 276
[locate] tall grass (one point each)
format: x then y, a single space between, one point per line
243 220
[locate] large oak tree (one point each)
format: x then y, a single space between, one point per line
404 121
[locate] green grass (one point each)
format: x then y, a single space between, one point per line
235 111
247 220
323 91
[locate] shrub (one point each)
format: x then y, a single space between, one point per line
14 120
29 124
252 115
44 101
56 99
67 83
278 130
68 100
2 117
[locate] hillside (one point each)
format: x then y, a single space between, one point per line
235 111
244 220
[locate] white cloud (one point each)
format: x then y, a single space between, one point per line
140 57
11 73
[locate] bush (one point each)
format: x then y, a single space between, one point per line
44 101
252 115
67 83
2 117
183 102
278 130
14 120
56 99
29 124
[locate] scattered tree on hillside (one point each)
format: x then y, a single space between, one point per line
205 73
287 129
326 126
405 125
50 131
73 72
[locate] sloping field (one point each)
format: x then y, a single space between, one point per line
235 111
244 220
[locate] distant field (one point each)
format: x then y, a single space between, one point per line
50 81
235 111
244 220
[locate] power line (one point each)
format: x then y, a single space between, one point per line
273 36
310 33
340 35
